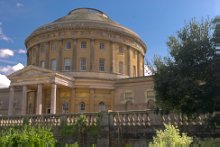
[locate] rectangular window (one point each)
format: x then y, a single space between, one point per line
120 67
83 64
120 50
101 46
42 64
134 71
53 64
101 65
53 47
67 64
83 44
68 45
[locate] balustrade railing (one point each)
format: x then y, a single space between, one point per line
128 118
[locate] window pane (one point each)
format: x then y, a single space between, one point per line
83 64
67 64
83 44
82 106
102 45
101 65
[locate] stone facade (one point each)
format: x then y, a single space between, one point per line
82 62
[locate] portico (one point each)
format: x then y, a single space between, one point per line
33 80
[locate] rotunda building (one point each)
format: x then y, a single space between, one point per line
82 62
87 40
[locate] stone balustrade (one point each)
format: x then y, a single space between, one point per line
128 118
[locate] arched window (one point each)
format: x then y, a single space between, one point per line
82 107
65 107
102 106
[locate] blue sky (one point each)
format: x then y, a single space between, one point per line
153 20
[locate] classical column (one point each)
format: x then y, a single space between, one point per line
128 60
138 64
53 98
112 57
37 55
74 57
60 60
39 99
92 58
24 100
11 101
47 55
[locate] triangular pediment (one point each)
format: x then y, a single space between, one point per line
30 72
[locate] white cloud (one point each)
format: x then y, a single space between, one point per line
4 81
147 71
19 5
5 52
3 36
22 51
10 69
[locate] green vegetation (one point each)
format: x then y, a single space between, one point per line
26 135
170 136
81 128
184 81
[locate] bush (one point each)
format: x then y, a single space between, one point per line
171 136
26 135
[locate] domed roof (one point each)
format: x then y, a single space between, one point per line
85 14
86 18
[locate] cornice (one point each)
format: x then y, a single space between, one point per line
105 27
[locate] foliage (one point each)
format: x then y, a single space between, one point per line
27 135
171 135
184 81
81 127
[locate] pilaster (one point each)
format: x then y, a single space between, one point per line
11 101
24 100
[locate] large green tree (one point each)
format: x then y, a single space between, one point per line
184 81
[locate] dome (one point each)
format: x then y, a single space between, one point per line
87 18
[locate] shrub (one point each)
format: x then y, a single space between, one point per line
27 135
171 136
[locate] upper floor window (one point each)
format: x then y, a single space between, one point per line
120 67
83 64
53 47
101 46
68 45
82 107
54 64
120 50
83 44
67 64
134 71
101 64
42 64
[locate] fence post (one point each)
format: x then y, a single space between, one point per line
103 139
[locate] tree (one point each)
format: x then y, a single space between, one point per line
184 81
